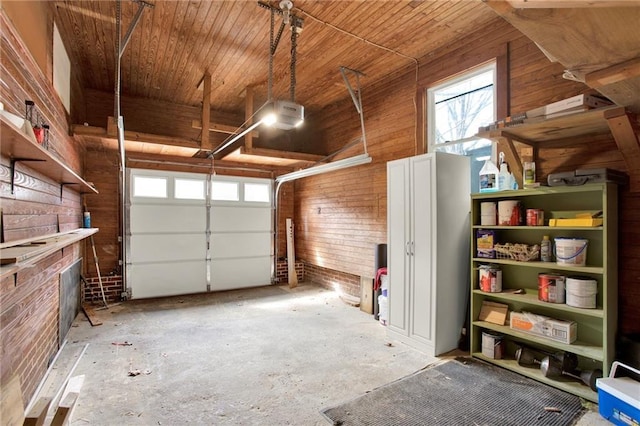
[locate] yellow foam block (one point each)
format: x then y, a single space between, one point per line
587 221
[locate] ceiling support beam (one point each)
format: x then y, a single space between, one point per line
625 132
220 128
248 113
206 113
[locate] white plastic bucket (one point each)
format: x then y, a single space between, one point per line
488 213
581 292
571 251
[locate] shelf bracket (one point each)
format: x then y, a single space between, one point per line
12 167
63 184
505 144
625 132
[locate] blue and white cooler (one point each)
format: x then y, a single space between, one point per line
619 395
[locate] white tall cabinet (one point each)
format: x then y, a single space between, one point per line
428 249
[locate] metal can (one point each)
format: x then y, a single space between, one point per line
535 217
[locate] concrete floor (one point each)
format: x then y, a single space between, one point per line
265 356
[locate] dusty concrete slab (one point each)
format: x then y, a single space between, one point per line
264 356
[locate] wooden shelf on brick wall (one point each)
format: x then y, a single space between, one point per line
20 254
19 148
574 129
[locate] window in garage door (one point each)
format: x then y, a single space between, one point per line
171 221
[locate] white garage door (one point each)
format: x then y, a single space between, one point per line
174 217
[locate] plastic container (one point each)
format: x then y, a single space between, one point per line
619 397
545 249
528 173
86 220
582 292
504 177
383 303
489 177
571 251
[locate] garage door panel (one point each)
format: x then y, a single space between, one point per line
255 272
167 218
167 247
229 219
171 225
240 245
168 278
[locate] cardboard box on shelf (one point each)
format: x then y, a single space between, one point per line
485 240
558 330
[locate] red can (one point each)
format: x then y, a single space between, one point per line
535 217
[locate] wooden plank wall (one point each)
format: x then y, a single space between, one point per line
340 216
29 300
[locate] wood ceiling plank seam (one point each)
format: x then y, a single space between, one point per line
162 19
79 40
259 77
217 68
174 34
103 46
189 65
205 53
238 65
439 36
147 47
136 47
187 87
125 61
389 17
194 20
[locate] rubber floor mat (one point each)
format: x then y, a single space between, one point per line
460 392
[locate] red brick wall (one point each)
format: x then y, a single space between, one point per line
332 279
111 284
282 271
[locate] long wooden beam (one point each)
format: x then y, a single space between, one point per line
563 4
221 128
206 112
248 113
614 74
625 133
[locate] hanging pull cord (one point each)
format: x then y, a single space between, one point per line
294 45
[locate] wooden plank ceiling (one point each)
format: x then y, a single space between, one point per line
176 42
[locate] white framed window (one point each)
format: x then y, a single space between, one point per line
188 189
257 192
456 108
225 191
150 187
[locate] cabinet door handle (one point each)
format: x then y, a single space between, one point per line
406 246
413 246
